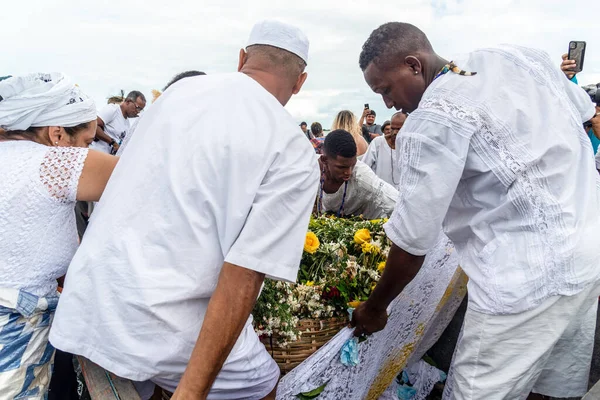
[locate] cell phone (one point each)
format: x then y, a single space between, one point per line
577 54
366 105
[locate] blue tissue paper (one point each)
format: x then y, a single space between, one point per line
349 354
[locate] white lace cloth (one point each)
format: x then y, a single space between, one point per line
38 188
416 320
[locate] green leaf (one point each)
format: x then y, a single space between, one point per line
429 360
313 394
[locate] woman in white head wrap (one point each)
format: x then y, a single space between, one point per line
46 125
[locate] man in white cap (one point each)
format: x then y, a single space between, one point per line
165 293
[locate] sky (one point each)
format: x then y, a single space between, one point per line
106 46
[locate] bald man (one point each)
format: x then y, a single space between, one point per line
494 152
165 293
381 155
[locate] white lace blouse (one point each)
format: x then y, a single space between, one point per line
38 235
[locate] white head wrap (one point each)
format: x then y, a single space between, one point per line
36 100
282 35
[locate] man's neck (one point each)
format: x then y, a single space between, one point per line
329 185
122 110
433 66
267 81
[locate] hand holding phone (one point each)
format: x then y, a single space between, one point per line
577 54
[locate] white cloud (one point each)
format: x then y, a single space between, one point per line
111 45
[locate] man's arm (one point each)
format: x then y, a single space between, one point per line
363 116
377 132
400 269
432 168
228 310
100 134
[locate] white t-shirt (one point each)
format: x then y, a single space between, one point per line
180 203
366 195
501 160
115 125
383 161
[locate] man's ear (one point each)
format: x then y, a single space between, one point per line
243 57
414 64
299 83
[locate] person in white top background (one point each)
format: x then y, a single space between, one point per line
494 151
381 155
113 122
190 225
46 125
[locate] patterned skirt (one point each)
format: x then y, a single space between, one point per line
26 356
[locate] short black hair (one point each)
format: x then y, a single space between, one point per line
180 76
339 143
393 41
134 95
303 123
372 112
386 123
316 129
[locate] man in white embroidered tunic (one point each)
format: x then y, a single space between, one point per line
500 160
348 186
165 293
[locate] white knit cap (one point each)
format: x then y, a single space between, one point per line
281 35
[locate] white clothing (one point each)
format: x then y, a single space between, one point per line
597 158
36 100
125 142
115 125
232 381
249 374
38 189
547 350
366 195
383 161
500 159
175 209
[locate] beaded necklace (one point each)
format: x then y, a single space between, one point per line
452 67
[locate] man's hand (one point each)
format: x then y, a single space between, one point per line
368 320
365 112
400 269
115 147
567 66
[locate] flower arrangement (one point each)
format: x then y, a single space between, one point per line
342 261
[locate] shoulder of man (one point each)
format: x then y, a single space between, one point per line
109 112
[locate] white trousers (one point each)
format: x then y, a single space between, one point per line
547 350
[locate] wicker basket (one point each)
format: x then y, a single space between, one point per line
315 333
